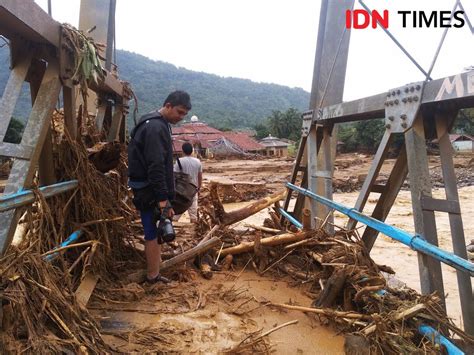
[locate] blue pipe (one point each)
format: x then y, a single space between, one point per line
415 242
23 197
71 239
435 337
292 219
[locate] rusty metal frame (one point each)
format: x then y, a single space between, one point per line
38 57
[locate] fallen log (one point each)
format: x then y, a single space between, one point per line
332 289
324 311
228 218
140 275
209 234
264 229
191 253
306 219
301 275
269 241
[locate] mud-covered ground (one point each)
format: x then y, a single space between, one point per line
193 314
212 316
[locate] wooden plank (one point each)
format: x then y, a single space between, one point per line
296 168
85 289
27 19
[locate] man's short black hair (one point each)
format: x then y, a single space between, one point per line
187 148
179 98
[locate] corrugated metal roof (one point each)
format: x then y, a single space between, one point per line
270 142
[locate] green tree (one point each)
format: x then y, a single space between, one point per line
347 134
369 134
464 123
261 130
285 124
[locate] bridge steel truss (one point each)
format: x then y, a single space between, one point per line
419 112
39 58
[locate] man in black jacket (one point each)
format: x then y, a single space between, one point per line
150 171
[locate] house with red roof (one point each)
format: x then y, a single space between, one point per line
208 141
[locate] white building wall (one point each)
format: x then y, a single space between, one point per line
463 146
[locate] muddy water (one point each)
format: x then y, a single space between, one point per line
206 331
216 326
305 337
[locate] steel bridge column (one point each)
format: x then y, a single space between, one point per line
431 278
328 86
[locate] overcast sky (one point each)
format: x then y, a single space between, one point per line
274 41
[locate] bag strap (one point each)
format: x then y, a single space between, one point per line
179 164
177 158
151 115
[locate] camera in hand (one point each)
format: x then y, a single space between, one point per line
166 230
166 233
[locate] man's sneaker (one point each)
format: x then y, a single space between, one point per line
157 279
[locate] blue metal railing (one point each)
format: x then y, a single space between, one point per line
23 197
436 338
71 239
416 242
292 219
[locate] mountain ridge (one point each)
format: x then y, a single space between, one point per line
223 102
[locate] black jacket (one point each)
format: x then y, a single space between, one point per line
150 155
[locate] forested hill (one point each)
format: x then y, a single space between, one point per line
222 102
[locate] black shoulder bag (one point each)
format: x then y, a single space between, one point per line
185 190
